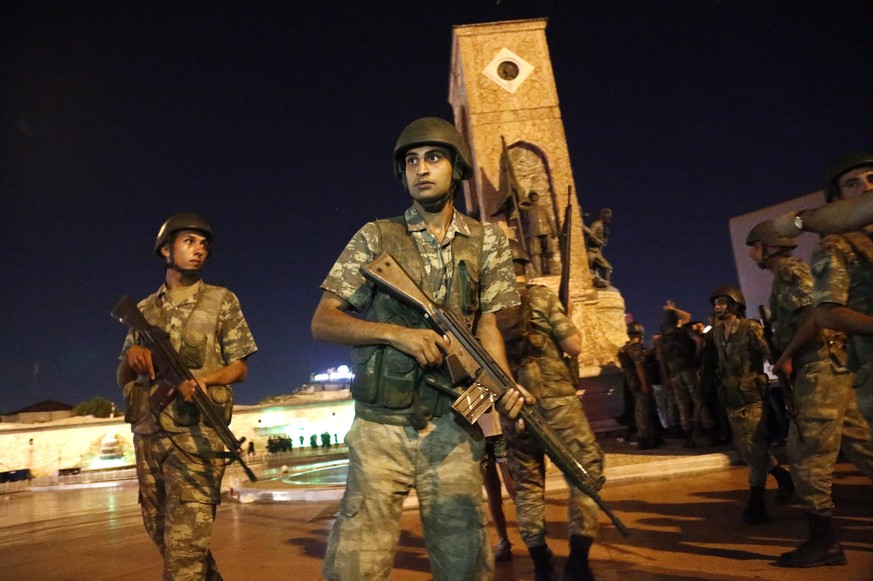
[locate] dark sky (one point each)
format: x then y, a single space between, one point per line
276 121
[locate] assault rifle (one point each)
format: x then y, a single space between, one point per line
786 381
170 371
468 364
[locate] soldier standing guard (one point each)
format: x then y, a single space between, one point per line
632 357
537 334
178 456
827 414
742 388
405 434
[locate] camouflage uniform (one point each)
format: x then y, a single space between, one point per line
537 361
178 471
388 454
842 270
742 389
680 358
827 413
629 356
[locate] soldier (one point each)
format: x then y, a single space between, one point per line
537 334
178 456
404 434
742 388
540 233
827 414
678 351
595 239
632 357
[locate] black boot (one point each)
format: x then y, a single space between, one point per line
821 548
576 568
756 512
542 559
785 482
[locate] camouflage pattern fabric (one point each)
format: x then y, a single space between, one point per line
629 356
743 385
527 465
830 421
827 413
843 275
441 461
385 462
496 281
679 352
749 428
178 493
179 476
541 368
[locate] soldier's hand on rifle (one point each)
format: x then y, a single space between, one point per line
425 345
512 400
139 359
783 365
187 387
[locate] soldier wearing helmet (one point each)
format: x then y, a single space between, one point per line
842 268
632 358
175 449
822 389
742 388
538 335
849 191
460 263
766 244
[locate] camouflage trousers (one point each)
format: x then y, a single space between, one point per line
749 427
442 463
690 400
644 413
527 466
829 420
178 493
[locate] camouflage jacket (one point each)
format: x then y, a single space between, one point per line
842 270
542 326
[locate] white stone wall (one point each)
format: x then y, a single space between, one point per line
75 442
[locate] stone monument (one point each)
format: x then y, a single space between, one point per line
502 90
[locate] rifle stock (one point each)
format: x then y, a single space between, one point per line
784 379
469 365
170 371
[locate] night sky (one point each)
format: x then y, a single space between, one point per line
276 121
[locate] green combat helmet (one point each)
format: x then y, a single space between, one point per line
428 130
738 301
635 329
181 221
766 234
841 166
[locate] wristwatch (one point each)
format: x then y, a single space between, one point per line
798 222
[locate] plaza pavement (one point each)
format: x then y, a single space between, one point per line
682 507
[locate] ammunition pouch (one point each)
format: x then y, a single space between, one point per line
385 376
136 401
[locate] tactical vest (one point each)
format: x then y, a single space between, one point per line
196 344
389 383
